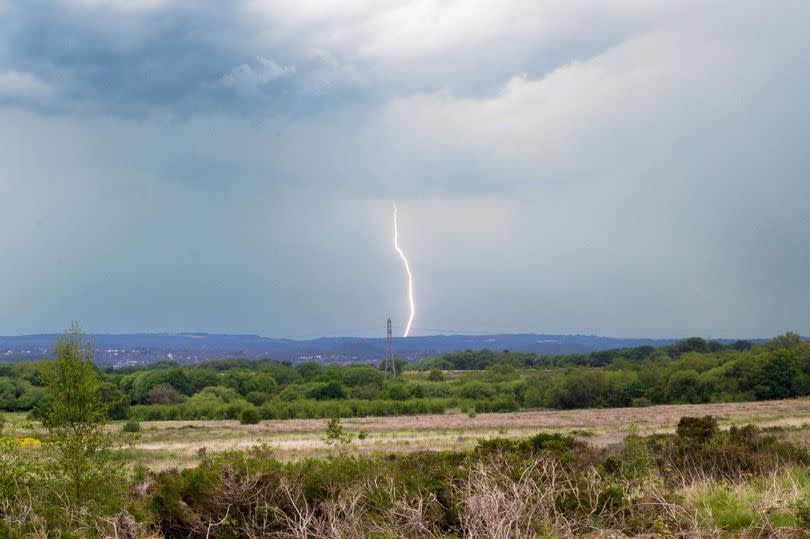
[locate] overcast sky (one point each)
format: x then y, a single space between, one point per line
619 167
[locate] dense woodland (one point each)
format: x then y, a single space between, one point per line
689 371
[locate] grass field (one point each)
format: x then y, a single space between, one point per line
167 444
671 495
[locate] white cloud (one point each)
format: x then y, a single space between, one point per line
22 87
248 81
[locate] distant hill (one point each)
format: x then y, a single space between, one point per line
137 348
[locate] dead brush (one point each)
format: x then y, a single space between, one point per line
121 526
496 506
412 515
342 516
409 516
548 497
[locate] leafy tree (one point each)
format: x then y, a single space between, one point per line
257 398
362 375
791 339
692 344
780 376
309 370
282 373
245 381
202 377
140 384
580 389
75 421
534 396
397 391
328 390
335 433
476 390
682 386
116 401
742 346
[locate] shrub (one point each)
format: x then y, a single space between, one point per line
164 394
436 375
131 426
335 433
640 402
249 416
328 390
476 390
697 430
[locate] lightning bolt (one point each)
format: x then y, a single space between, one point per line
407 270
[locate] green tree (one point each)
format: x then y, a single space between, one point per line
780 376
75 421
335 433
682 387
791 339
580 389
116 401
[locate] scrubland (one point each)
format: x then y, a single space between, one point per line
718 469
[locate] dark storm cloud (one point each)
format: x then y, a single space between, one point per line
123 61
619 167
130 58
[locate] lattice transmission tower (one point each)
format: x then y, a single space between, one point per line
390 366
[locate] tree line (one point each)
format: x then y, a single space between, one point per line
690 371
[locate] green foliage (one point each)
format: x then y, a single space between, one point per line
436 375
689 371
549 485
545 480
789 341
635 459
696 430
75 421
131 426
257 398
780 376
475 390
335 433
249 416
116 401
164 394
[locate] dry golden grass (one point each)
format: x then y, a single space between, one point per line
178 443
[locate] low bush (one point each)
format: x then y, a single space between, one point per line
249 416
694 483
548 484
131 426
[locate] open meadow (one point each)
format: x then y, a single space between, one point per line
164 444
168 444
